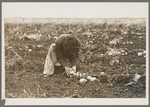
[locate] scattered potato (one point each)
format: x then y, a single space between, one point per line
83 80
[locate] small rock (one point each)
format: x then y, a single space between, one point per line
30 50
131 42
27 47
122 51
144 52
126 53
140 37
125 33
140 53
102 73
39 46
58 64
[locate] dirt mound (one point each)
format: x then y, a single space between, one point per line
13 60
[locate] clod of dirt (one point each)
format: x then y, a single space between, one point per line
97 88
67 94
87 35
102 73
121 79
130 84
110 85
47 87
15 63
75 96
8 53
103 79
142 80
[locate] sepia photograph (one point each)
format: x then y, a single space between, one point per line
75 53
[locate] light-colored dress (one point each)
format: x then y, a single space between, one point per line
51 61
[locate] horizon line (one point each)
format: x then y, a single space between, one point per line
80 18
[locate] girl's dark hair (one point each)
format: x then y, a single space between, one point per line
71 45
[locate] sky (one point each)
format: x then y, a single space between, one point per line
75 10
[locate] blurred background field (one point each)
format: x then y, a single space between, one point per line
76 20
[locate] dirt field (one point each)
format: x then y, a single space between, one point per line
116 49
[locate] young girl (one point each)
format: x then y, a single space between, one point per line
64 51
